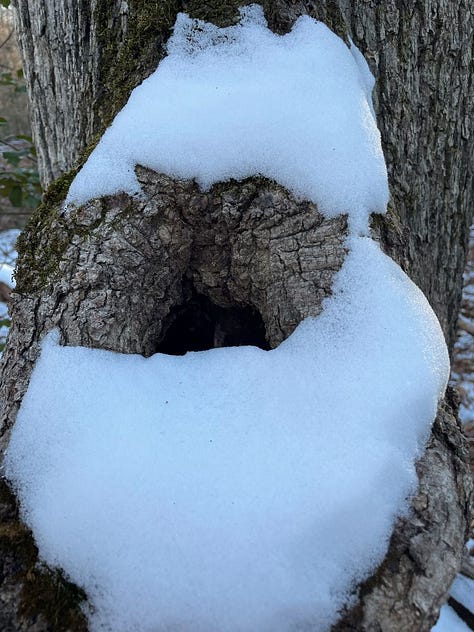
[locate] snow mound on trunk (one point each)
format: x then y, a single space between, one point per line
234 489
241 101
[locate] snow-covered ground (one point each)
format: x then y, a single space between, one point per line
450 622
461 594
462 377
7 262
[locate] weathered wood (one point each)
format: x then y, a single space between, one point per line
111 275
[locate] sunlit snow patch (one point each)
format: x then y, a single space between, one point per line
236 489
235 102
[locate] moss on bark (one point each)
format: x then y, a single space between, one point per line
39 258
127 61
44 592
43 243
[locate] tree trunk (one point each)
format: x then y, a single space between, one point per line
115 276
82 59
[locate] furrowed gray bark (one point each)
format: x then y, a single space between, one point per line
112 275
420 52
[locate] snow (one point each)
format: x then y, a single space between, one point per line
8 253
367 77
463 591
8 257
463 358
6 275
235 102
449 622
236 489
214 491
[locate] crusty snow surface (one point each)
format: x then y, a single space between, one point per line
235 489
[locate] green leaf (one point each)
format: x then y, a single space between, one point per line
5 3
16 196
12 157
3 121
31 201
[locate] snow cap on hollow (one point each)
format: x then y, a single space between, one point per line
241 101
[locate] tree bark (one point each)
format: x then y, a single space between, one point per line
83 58
113 275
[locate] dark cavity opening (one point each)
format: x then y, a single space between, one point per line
199 325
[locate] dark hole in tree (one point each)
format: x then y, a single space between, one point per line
199 325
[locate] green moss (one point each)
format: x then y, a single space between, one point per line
215 11
43 242
335 20
127 59
56 193
126 63
58 600
47 234
45 592
255 182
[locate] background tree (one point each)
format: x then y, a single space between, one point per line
19 182
81 61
